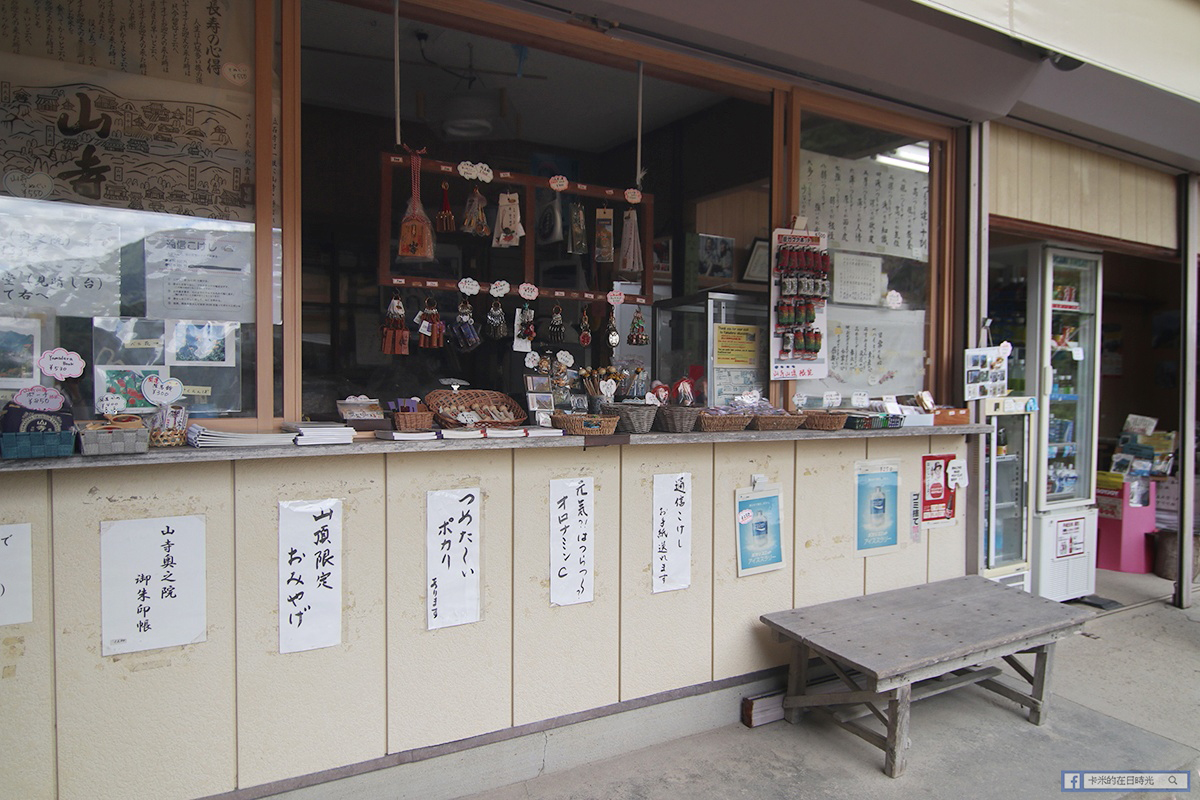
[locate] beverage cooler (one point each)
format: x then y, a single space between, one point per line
1005 554
1046 302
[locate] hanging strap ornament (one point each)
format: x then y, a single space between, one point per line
556 331
577 231
604 235
416 232
585 328
465 337
509 230
637 330
445 217
497 325
631 245
394 332
612 335
474 218
430 326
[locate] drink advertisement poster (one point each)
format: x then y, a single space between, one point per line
877 528
937 496
759 530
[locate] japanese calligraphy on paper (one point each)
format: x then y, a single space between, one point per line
452 588
310 574
152 583
16 573
671 559
572 541
72 267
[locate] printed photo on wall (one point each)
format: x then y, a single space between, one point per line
759 524
126 381
201 344
20 346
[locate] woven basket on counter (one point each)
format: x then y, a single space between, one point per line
167 437
419 420
676 419
634 417
493 408
585 424
776 422
101 442
824 421
713 423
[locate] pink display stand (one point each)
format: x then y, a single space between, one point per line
1121 541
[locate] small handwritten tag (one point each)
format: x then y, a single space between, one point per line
860 400
40 398
61 364
161 391
832 399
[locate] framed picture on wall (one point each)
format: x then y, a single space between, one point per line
715 257
758 265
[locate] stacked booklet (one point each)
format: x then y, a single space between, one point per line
200 436
320 432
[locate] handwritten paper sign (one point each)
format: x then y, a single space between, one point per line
672 545
152 583
310 574
16 573
61 364
572 544
452 520
71 267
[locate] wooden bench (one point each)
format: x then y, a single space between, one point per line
908 644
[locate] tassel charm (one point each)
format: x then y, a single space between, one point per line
585 329
497 325
637 330
556 331
445 217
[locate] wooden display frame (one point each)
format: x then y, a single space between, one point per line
526 186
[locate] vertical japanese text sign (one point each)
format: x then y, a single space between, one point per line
152 592
310 574
672 553
452 520
16 574
571 541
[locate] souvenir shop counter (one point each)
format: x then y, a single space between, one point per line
182 455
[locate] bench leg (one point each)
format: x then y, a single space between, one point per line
1041 684
896 752
797 680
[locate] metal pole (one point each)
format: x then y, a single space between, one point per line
1189 250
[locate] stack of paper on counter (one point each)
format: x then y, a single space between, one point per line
320 432
504 433
200 436
535 431
407 436
462 433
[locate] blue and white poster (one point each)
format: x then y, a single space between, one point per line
877 500
759 530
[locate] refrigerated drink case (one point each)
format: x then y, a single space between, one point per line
1005 553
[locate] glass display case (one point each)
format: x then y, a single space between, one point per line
719 340
1005 552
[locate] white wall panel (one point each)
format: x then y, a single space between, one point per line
826 567
907 566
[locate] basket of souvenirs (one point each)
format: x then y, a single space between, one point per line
412 417
634 417
676 419
476 408
778 421
824 420
585 424
714 420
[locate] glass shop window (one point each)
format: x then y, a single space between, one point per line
127 202
518 115
869 191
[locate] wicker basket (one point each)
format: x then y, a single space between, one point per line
493 408
824 421
110 442
676 419
167 437
411 420
712 423
585 424
635 417
776 422
38 444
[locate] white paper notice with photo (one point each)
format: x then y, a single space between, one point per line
152 583
200 274
16 573
857 279
671 563
572 544
310 574
452 584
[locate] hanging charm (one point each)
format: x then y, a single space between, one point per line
416 232
445 217
430 326
585 328
497 325
611 333
524 331
577 231
474 218
556 331
604 235
637 330
466 338
394 332
509 230
631 246
549 221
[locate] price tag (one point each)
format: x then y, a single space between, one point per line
799 400
61 364
40 398
559 183
890 405
528 291
498 288
860 400
633 196
1006 349
832 399
161 391
956 473
615 298
110 403
1076 353
469 286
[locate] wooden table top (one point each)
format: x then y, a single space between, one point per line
902 630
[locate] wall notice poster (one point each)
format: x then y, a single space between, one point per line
799 295
572 541
877 495
873 350
310 574
985 371
937 495
1069 537
152 583
759 525
452 519
72 267
671 559
200 274
16 573
739 362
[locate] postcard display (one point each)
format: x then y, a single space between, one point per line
799 292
